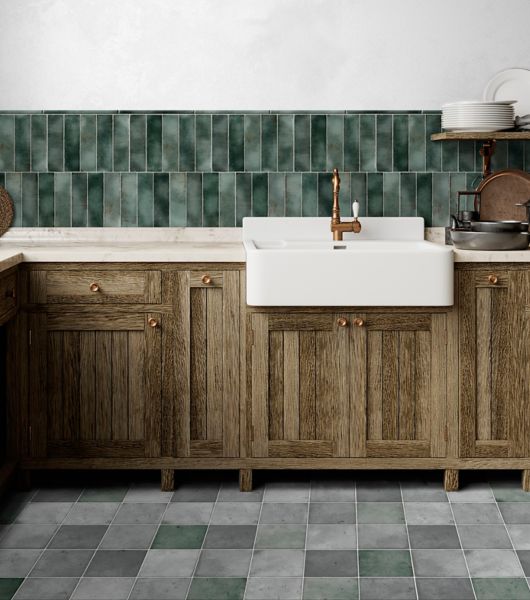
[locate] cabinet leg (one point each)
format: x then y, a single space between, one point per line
245 480
525 480
451 480
168 480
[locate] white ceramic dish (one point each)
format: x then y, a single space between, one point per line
511 83
479 103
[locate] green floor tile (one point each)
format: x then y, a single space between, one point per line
510 493
505 588
330 588
217 588
385 563
179 536
380 512
107 494
8 587
281 536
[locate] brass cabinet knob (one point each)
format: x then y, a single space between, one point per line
358 322
152 322
342 322
94 287
206 279
493 279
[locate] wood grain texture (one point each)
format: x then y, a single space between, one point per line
438 410
291 385
451 480
365 401
390 385
407 385
183 363
214 363
260 385
167 480
307 390
245 480
198 363
230 352
525 480
374 391
276 374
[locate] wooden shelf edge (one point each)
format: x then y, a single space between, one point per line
480 136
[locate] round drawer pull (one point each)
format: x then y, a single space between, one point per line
358 322
342 322
94 287
152 322
206 279
493 279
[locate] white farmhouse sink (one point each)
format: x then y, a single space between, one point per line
294 262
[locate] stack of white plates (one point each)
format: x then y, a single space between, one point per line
478 116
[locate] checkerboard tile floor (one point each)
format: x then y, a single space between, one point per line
323 536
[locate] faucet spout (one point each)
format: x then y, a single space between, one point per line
337 226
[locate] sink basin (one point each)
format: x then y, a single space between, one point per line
294 262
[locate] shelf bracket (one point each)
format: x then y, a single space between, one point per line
487 151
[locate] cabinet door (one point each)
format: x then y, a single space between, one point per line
300 396
95 384
398 385
208 363
493 363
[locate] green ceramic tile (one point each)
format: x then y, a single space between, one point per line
440 199
63 200
46 200
293 195
243 197
179 537
79 199
351 142
466 156
285 142
335 142
7 142
88 142
194 200
170 142
55 143
39 143
359 191
401 142
417 157
502 588
236 144
449 156
269 143
385 563
391 194
177 199
499 159
137 159
302 143
14 187
367 143
325 195
457 183
473 180
111 200
121 142
22 142
203 142
280 536
217 588
276 195
227 199
2 179
104 149
384 142
8 587
407 195
515 155
95 199
433 150
345 199
260 185
210 194
145 200
30 200
154 142
252 142
219 143
161 199
129 200
375 195
333 588
380 513
72 143
318 142
309 194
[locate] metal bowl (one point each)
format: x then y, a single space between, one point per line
499 226
484 240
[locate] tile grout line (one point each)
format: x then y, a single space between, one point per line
306 533
357 536
408 540
254 544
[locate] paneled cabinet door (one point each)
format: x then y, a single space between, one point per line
300 396
398 384
95 384
207 363
493 376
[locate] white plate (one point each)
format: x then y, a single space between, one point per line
473 110
512 83
477 129
480 103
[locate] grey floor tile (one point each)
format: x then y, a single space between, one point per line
128 537
445 588
169 563
62 563
230 536
281 588
27 536
515 512
484 536
236 513
230 493
280 512
223 563
281 536
92 513
277 563
58 494
287 491
46 588
520 535
331 563
382 536
137 513
333 491
423 491
17 563
524 557
78 536
160 589
196 492
502 588
332 512
103 588
188 513
378 491
509 492
331 537
332 588
433 536
146 493
387 588
115 563
107 493
44 512
428 513
439 563
217 588
380 512
476 513
472 492
493 563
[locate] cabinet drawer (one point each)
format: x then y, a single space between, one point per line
8 293
96 287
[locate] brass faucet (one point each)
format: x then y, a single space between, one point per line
337 227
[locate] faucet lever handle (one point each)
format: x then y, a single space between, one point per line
355 207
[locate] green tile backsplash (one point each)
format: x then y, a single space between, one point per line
211 169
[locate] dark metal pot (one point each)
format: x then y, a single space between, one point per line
499 226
